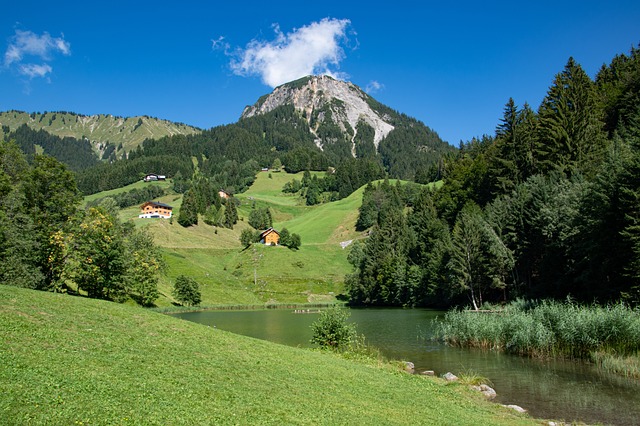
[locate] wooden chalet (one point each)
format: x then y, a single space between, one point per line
154 209
270 237
223 194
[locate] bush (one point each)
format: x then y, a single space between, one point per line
248 237
290 240
186 291
332 331
295 242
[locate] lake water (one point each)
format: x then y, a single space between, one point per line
560 390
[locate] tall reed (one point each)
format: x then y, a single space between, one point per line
547 329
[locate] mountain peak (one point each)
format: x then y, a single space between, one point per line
323 100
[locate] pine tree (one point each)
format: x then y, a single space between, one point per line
230 213
504 167
188 210
571 138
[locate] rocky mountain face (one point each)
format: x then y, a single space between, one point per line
326 102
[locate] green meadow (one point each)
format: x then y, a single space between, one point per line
75 361
230 274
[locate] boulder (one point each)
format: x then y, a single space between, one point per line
409 367
428 373
486 390
519 409
450 377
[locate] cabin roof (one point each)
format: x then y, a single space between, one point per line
267 232
155 203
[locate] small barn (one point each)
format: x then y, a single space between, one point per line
154 209
270 237
223 194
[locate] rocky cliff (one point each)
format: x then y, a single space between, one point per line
324 101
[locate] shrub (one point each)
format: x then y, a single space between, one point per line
248 237
332 331
186 291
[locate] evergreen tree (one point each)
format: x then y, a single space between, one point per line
504 167
260 218
570 135
19 248
211 216
230 213
381 275
429 252
313 192
188 210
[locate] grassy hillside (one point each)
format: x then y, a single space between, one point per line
68 360
229 274
99 129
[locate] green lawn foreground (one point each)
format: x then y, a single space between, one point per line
69 361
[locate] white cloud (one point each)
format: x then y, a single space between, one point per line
374 86
221 44
28 45
35 70
312 49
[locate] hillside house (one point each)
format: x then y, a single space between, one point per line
153 209
270 237
223 194
152 177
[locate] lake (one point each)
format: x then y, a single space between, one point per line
551 389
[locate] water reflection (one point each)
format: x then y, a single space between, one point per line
548 389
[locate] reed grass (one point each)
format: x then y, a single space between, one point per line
627 366
549 329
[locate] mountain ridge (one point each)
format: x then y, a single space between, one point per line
310 124
100 129
315 95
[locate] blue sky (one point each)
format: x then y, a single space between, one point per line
452 65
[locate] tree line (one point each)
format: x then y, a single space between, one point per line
546 207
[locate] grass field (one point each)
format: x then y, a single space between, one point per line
73 361
229 274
